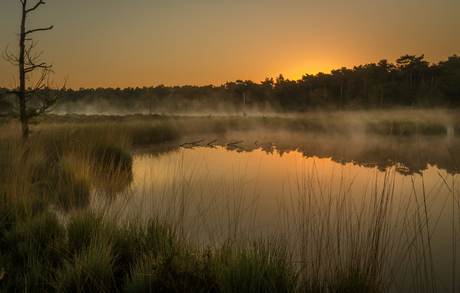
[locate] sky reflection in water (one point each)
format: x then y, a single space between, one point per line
221 193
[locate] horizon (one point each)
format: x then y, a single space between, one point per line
256 82
145 44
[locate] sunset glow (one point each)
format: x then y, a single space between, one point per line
147 43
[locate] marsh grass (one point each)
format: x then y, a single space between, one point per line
88 250
30 249
91 270
73 182
386 242
336 243
89 236
339 245
167 263
341 241
148 129
113 158
53 166
256 266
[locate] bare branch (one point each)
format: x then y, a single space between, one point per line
32 67
10 57
15 85
33 62
38 29
35 7
191 143
234 143
40 82
210 143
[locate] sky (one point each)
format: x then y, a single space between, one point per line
136 43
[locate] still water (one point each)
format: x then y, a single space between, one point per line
329 204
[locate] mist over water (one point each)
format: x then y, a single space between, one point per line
249 184
308 177
105 107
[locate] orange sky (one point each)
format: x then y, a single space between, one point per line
119 43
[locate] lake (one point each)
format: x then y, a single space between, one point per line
387 202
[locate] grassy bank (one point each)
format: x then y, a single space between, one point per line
85 251
50 241
157 128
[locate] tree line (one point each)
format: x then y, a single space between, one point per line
410 81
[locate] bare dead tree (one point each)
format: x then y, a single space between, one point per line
39 97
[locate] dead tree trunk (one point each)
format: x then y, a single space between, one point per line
28 61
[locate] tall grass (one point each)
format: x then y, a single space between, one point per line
90 251
337 240
343 244
331 242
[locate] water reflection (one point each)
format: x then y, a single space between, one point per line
336 197
408 154
100 186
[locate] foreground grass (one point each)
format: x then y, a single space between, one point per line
88 251
90 254
85 251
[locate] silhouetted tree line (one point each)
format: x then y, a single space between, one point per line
411 81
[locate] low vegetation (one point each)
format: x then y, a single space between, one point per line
145 129
51 241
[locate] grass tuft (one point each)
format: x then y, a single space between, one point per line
111 157
258 267
74 185
82 229
91 270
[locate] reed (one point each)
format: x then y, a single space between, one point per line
52 240
256 266
343 245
